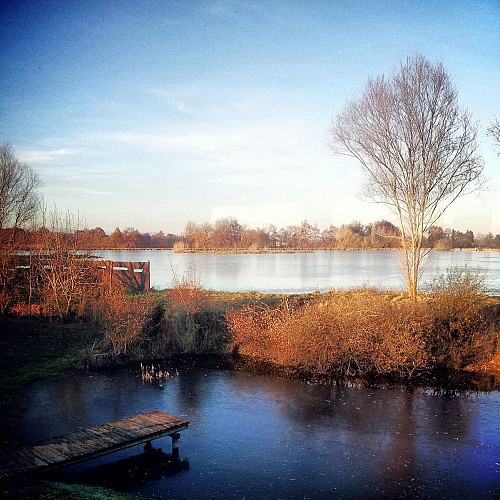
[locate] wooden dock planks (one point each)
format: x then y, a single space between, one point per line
93 442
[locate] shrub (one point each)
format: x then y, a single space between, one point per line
462 330
188 292
125 318
186 332
351 333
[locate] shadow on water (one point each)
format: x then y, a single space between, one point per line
125 473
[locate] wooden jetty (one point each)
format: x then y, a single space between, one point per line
85 444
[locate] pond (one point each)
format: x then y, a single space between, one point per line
305 272
255 436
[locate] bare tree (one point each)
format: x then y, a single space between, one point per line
416 146
62 262
494 131
19 205
19 198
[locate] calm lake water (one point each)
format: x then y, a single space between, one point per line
254 436
305 272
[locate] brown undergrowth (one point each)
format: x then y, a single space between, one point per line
369 333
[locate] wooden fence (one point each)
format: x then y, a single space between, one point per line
129 276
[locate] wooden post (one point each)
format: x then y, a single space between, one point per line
148 447
175 445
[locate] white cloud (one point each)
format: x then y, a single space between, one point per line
180 100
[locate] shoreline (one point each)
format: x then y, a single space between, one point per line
275 250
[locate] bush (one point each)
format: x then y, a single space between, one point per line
125 319
188 292
351 333
462 329
185 332
366 332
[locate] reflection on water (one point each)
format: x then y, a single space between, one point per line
305 272
253 436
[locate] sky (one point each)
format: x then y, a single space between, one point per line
150 114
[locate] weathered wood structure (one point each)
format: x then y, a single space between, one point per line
86 444
130 276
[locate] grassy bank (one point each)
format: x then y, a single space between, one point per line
35 348
49 490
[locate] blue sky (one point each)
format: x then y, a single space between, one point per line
153 113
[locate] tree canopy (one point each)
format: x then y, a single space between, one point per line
19 197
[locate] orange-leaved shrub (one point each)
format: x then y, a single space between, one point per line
368 332
463 328
125 318
345 333
188 293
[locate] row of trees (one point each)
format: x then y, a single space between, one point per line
93 238
128 238
229 233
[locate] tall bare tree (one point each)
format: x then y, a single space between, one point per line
19 197
19 205
416 146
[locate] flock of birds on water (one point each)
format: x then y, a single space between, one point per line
155 375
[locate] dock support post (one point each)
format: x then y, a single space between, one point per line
175 445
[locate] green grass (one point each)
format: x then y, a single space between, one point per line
48 490
33 349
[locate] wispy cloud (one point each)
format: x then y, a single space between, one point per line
205 142
180 101
44 155
221 100
93 192
283 137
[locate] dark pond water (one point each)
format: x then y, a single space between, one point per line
306 272
254 436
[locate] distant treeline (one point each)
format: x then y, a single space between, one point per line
228 233
94 238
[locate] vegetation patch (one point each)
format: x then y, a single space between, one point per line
50 490
368 333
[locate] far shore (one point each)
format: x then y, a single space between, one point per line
282 250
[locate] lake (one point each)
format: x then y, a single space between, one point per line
255 436
305 272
